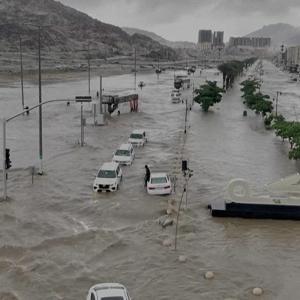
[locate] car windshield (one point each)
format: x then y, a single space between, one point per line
107 174
158 180
136 136
112 298
122 153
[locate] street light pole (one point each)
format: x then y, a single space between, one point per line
100 95
135 68
185 119
5 121
22 77
4 158
89 69
277 93
40 172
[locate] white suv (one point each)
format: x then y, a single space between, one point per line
108 178
110 291
138 137
124 155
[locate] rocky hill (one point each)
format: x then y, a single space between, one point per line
65 29
280 33
161 40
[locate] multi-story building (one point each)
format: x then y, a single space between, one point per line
250 42
205 39
293 58
218 39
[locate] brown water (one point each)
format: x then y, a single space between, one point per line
57 238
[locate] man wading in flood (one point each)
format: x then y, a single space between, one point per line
147 175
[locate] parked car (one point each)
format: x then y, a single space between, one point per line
138 137
108 291
108 178
159 184
124 155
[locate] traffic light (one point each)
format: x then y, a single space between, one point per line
184 166
7 159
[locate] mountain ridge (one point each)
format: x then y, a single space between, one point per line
68 30
160 39
280 33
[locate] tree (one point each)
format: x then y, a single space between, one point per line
208 94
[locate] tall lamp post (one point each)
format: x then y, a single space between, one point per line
22 76
276 103
40 172
80 99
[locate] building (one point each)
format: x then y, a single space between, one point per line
218 39
293 58
250 42
204 36
205 39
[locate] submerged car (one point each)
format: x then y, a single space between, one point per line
108 178
138 137
124 155
108 291
159 184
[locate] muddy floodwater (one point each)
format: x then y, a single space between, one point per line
58 238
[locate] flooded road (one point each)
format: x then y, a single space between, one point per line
57 238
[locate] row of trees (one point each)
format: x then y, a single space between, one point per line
259 102
289 131
254 99
208 94
232 69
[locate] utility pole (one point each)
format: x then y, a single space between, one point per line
135 68
100 96
89 69
22 77
185 119
277 93
40 172
4 161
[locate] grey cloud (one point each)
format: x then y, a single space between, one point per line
167 11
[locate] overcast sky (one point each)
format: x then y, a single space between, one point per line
181 19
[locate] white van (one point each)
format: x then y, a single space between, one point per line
138 137
124 155
108 178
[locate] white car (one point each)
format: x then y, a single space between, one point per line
108 291
159 184
176 96
124 155
108 178
138 137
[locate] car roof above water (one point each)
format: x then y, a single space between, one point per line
109 290
158 174
109 166
125 146
138 131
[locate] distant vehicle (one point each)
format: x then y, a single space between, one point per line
138 137
159 184
108 291
124 155
108 178
176 96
